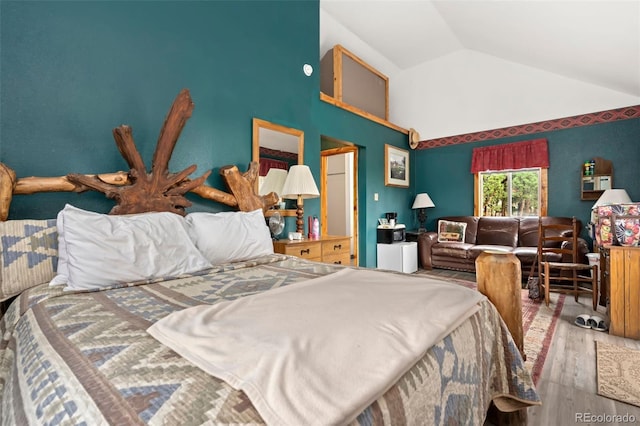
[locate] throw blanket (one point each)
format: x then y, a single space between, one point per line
323 350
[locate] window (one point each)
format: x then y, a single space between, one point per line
520 192
511 179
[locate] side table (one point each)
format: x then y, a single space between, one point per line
499 275
412 236
327 249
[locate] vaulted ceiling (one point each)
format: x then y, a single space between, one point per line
597 42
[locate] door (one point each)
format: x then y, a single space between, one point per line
338 192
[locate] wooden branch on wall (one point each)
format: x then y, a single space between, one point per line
157 190
10 186
243 188
7 184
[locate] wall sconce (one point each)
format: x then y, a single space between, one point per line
422 202
300 185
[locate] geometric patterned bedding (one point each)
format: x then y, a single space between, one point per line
85 358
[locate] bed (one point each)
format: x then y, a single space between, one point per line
78 348
85 357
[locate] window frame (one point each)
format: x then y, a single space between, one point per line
544 195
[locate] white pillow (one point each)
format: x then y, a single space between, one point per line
62 271
103 250
230 236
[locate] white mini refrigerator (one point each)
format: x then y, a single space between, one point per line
401 257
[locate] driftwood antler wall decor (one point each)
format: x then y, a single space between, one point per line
142 191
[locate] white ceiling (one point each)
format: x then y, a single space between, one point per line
597 42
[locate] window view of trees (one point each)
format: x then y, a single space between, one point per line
512 193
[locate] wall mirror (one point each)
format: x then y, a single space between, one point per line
277 146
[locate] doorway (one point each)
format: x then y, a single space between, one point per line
339 189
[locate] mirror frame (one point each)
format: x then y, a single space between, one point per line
263 124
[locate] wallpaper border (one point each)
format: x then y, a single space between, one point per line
624 113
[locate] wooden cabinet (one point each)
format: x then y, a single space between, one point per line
624 291
327 249
599 180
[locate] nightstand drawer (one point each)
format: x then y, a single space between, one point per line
311 250
340 259
328 249
335 247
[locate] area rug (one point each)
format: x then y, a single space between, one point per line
538 321
618 372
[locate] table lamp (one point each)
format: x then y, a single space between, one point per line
422 202
608 197
612 196
300 185
274 182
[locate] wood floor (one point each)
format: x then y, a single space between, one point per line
567 385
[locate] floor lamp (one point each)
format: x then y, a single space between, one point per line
298 186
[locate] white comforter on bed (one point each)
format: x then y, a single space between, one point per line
321 351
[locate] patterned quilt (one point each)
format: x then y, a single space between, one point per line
85 358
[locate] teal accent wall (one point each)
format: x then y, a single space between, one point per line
72 71
371 138
444 172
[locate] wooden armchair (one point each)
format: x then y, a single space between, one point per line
558 264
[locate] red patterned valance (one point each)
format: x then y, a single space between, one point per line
277 153
607 116
511 156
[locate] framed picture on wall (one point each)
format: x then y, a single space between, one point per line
396 166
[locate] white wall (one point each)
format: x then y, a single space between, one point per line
340 195
333 32
468 91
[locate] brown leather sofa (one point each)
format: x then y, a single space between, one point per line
513 234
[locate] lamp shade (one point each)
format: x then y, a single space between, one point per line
273 182
422 201
612 196
300 183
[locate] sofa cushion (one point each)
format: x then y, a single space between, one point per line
472 226
477 249
526 254
457 250
528 232
499 231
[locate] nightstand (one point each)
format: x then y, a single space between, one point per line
413 236
327 249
